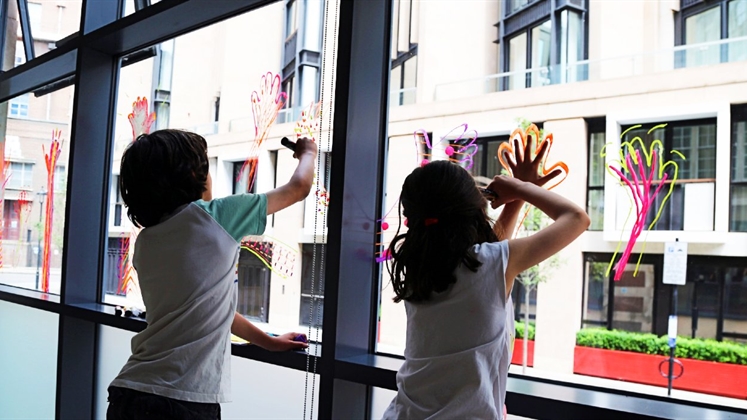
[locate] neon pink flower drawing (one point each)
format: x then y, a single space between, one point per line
644 173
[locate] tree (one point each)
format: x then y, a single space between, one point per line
534 221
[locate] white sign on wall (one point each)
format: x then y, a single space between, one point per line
675 263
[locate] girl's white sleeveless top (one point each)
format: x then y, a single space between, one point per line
459 346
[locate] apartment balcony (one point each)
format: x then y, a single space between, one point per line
685 56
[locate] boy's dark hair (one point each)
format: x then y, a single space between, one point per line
161 171
446 215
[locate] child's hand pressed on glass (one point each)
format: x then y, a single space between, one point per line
525 168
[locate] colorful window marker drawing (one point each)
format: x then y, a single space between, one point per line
266 104
644 173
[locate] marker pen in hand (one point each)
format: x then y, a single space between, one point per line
287 143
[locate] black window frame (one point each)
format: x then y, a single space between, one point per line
348 367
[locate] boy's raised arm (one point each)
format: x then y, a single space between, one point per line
300 183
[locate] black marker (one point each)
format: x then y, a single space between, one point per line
287 143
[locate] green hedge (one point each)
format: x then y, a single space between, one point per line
520 330
687 348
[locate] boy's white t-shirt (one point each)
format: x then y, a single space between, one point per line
459 346
187 268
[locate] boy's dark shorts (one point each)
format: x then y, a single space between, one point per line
128 404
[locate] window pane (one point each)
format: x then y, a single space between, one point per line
28 362
703 27
738 211
577 116
737 29
50 23
541 54
595 208
200 88
517 61
737 18
698 144
409 71
282 397
596 294
571 47
596 160
33 222
739 152
515 5
735 296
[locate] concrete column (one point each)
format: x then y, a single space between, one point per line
559 299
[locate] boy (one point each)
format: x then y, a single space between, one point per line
186 258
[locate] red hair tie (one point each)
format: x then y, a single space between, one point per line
431 221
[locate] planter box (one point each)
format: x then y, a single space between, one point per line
517 356
724 379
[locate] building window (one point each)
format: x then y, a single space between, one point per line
35 17
254 287
291 18
60 179
517 61
241 179
738 199
628 304
485 161
696 180
403 79
708 23
301 59
516 5
20 54
19 106
21 176
11 220
713 302
312 290
595 180
542 46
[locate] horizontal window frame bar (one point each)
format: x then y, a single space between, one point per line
37 74
165 20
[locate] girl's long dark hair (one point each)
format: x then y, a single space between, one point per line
446 216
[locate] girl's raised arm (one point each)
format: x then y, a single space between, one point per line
569 222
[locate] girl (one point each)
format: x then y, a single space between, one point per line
455 277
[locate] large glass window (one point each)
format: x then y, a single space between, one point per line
312 285
540 53
595 180
193 76
726 20
738 200
517 61
403 78
34 198
49 23
548 49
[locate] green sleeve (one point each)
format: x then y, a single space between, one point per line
240 215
